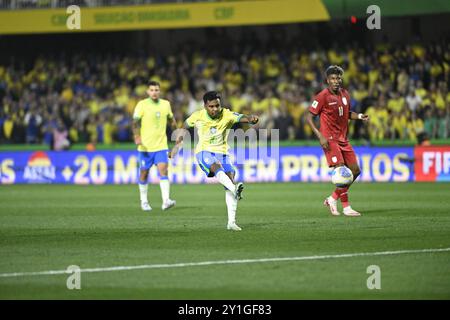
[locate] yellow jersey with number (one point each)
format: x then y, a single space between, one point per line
213 133
153 116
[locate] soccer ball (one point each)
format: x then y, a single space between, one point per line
341 176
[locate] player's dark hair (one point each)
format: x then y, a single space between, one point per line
334 69
422 137
153 83
211 95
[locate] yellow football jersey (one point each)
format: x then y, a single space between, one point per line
213 133
153 116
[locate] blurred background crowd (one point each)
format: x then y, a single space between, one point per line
89 97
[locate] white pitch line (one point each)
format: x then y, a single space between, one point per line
222 262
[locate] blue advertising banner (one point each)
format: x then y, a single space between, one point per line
290 164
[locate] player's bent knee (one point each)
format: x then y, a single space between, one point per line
356 172
215 167
231 176
143 176
162 169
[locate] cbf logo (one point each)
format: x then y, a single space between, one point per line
39 168
213 130
158 114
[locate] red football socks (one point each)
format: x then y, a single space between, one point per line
343 194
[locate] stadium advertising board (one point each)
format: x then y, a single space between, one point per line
294 164
432 163
185 15
165 16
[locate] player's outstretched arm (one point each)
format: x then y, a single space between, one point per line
358 116
322 139
137 131
252 119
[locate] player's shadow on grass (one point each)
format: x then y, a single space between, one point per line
184 208
382 210
263 225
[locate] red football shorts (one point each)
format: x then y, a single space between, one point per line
340 153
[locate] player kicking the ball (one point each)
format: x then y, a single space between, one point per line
333 106
212 125
149 129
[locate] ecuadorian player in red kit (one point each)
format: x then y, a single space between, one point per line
332 105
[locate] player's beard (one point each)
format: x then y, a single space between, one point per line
335 88
217 115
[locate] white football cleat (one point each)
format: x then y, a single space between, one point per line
233 226
332 205
145 206
238 191
168 204
349 212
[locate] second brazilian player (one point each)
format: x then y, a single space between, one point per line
149 128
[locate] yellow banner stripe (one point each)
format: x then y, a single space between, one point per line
165 16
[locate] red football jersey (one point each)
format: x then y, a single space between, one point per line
334 113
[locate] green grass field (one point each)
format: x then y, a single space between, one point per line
49 227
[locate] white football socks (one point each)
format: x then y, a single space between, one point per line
143 188
226 181
165 189
231 206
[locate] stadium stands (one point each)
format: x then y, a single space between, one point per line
404 90
403 87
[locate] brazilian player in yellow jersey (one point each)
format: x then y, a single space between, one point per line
212 124
149 128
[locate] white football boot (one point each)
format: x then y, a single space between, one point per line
349 212
238 191
145 206
233 226
332 205
168 204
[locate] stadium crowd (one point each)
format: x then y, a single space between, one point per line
91 97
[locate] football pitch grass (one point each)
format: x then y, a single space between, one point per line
187 253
